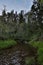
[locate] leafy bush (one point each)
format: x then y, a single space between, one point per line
39 44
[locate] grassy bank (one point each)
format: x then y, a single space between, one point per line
39 44
6 43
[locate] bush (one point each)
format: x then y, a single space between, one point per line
39 44
6 43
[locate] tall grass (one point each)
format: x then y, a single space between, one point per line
39 44
6 43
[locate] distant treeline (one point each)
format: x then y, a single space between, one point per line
23 26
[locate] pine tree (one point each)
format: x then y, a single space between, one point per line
21 17
37 10
4 14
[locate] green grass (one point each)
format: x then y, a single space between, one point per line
29 60
6 43
39 44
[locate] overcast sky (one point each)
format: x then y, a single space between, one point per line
17 5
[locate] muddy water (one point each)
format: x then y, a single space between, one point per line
16 55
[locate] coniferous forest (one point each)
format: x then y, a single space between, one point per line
21 36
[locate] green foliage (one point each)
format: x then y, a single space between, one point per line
13 26
41 1
29 60
7 43
39 45
21 17
37 13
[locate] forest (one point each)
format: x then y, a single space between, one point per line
21 36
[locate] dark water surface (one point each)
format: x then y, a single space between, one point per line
16 55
